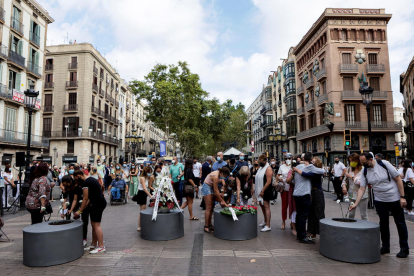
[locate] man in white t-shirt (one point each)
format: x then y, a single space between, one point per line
197 173
338 171
8 185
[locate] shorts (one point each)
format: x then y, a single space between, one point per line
196 181
96 211
142 198
207 190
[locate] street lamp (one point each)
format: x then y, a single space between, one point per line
327 122
55 150
30 101
366 94
134 140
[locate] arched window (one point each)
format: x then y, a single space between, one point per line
327 142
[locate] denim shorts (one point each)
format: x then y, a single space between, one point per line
207 190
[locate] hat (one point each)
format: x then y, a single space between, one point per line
232 156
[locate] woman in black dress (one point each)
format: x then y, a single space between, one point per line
189 187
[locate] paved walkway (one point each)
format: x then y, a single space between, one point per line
273 253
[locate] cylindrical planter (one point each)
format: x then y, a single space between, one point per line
352 242
168 226
45 244
225 228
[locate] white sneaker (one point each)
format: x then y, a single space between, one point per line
262 224
405 211
98 250
411 213
265 229
85 242
91 247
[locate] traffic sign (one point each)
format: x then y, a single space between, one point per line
252 149
252 143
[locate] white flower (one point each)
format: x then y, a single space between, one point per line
346 200
209 166
241 192
352 203
230 205
67 203
80 201
62 200
225 194
60 208
246 197
338 201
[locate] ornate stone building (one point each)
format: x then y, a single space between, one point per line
407 90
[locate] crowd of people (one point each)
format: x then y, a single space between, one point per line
230 182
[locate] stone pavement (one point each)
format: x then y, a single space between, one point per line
197 253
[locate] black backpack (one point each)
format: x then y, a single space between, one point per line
382 165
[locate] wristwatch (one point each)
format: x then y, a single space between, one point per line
403 196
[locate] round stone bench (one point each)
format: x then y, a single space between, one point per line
225 228
168 226
45 244
355 242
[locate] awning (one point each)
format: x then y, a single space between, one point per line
232 150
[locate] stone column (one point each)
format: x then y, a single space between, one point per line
375 35
357 34
348 34
366 35
383 35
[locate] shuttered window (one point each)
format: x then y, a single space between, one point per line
370 36
351 114
377 112
48 99
346 58
10 124
47 127
72 98
74 59
348 83
374 83
71 146
73 123
343 34
372 58
73 76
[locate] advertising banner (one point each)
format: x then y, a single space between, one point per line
163 148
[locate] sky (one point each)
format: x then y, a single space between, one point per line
231 44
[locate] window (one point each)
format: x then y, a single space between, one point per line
72 98
372 59
48 99
16 45
49 61
91 147
312 120
47 127
49 78
34 32
73 123
324 91
321 114
14 80
346 58
16 19
322 63
74 60
377 112
351 116
343 34
92 123
93 101
348 83
10 124
33 60
71 146
374 83
73 76
369 36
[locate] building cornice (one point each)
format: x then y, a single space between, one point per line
39 10
408 72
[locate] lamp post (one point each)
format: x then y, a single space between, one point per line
30 101
134 140
366 94
55 150
128 141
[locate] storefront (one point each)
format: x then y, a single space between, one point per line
47 159
92 159
67 160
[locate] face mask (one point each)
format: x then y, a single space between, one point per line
354 164
85 168
157 173
288 162
153 162
50 168
95 170
249 164
71 171
336 162
149 174
117 167
262 164
367 166
99 164
241 157
272 163
222 177
219 159
173 161
124 165
112 166
133 167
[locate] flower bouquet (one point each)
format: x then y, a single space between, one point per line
345 217
165 201
239 210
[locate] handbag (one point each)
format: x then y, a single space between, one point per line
135 198
49 208
188 189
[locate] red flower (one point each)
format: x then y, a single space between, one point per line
152 204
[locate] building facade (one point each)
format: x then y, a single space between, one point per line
23 36
406 89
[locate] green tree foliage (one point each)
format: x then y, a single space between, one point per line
175 98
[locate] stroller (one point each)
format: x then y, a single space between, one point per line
118 187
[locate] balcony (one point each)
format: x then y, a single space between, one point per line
284 99
95 110
20 138
263 110
348 68
375 69
5 93
300 90
352 95
310 106
310 83
34 70
279 120
49 85
34 38
84 134
70 108
3 52
101 75
291 111
101 114
95 88
284 117
17 26
355 126
48 109
268 97
323 99
49 67
107 117
279 103
95 70
107 96
289 75
17 59
112 100
72 66
127 120
116 104
2 12
264 124
301 111
71 84
279 89
321 75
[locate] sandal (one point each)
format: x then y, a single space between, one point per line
209 230
139 229
282 227
211 227
194 218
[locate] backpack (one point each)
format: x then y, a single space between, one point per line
382 165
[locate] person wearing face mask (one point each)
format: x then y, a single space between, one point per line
101 170
133 175
250 165
153 162
176 175
389 197
244 186
338 171
197 170
241 162
38 196
353 175
220 163
115 188
287 194
263 190
253 172
94 173
152 182
9 186
275 169
406 173
143 192
126 168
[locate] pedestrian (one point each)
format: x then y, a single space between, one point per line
95 200
275 169
317 208
85 170
211 193
55 174
205 170
189 187
407 175
143 192
241 162
338 171
389 198
176 175
253 172
197 171
119 172
101 171
75 195
39 193
250 165
220 163
230 184
353 176
126 168
133 174
302 195
263 190
244 186
287 194
9 186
